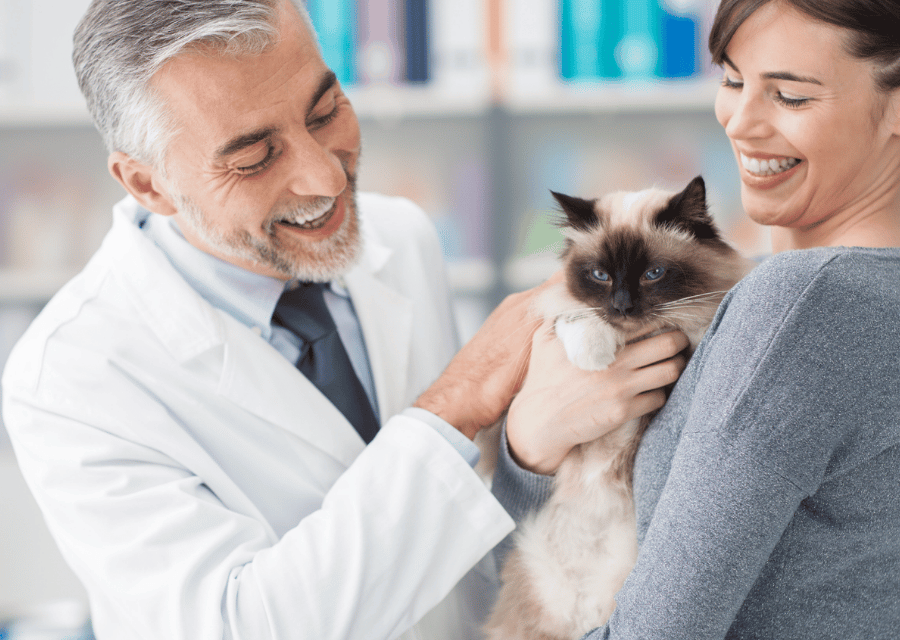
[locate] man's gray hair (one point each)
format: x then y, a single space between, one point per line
120 44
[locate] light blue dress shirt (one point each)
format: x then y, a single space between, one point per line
251 298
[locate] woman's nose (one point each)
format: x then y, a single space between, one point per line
742 114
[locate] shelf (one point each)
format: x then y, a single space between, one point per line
40 116
658 96
372 102
525 273
398 102
30 286
473 276
392 102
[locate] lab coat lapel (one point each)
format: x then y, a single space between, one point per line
386 317
260 380
287 398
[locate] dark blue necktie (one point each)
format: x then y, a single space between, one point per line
323 359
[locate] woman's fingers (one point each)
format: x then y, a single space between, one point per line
652 350
561 406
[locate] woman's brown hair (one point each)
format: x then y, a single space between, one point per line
873 29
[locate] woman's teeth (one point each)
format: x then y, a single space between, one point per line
768 167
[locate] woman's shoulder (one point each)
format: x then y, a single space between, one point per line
836 276
832 296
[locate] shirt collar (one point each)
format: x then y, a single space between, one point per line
248 297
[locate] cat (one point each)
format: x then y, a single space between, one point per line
636 264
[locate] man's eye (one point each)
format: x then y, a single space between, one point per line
318 123
258 166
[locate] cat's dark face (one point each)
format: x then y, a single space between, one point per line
629 256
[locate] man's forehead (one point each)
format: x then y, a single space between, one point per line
217 93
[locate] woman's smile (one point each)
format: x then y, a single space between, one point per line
767 166
766 171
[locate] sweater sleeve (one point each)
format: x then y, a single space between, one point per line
520 491
771 407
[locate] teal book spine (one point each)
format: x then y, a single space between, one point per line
590 31
612 30
335 24
639 50
579 39
589 34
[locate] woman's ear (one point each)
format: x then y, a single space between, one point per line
892 111
142 182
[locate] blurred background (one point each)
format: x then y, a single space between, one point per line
474 109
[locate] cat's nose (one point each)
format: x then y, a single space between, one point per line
622 302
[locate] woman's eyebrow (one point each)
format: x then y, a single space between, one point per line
775 75
792 77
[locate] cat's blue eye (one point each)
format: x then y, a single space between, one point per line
655 274
600 276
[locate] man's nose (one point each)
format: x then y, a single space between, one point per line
314 169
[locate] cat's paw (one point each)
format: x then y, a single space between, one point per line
590 345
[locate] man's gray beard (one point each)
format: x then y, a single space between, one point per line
320 261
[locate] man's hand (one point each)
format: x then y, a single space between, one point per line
561 406
480 382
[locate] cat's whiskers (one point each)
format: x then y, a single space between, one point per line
670 316
692 309
688 300
575 312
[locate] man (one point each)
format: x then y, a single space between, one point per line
198 483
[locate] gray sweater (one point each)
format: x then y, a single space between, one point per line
768 487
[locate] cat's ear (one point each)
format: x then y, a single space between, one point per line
688 211
580 213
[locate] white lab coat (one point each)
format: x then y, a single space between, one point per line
201 487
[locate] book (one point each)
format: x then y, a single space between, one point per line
638 51
680 38
589 38
531 34
381 51
415 21
459 40
14 47
335 24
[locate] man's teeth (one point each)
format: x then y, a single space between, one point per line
768 167
308 218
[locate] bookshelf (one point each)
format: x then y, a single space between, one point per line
476 125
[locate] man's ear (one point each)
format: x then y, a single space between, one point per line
142 182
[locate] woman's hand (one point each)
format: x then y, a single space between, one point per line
561 406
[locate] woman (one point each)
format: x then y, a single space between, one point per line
768 487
